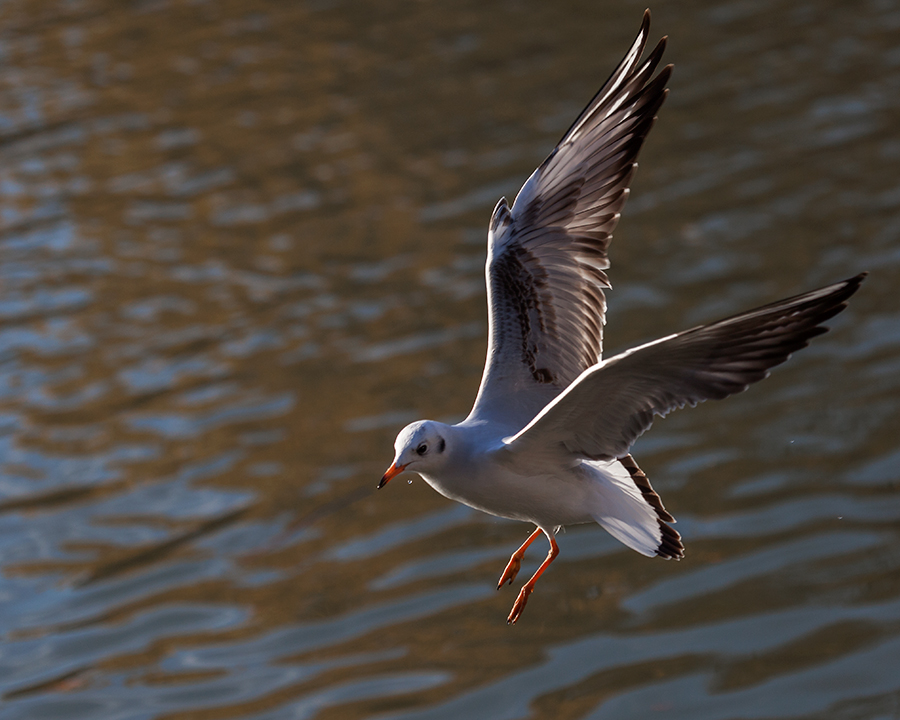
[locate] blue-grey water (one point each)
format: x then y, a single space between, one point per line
241 245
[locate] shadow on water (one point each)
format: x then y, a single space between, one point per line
239 249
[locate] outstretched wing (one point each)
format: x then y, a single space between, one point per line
611 404
547 254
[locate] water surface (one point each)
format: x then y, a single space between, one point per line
240 248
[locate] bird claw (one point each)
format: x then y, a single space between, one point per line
519 605
509 574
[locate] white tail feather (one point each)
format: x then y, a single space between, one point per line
622 510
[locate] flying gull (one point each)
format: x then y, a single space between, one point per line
547 441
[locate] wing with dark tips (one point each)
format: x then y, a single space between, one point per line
547 255
601 414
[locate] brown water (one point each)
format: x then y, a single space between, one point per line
242 247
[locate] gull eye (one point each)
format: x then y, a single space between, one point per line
422 449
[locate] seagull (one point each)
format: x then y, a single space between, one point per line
547 441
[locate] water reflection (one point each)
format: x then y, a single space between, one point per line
239 250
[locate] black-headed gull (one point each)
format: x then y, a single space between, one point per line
548 438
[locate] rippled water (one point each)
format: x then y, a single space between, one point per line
240 249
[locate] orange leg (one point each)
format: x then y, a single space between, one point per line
515 560
528 587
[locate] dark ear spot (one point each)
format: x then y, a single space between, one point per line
441 445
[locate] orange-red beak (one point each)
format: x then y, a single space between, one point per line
392 471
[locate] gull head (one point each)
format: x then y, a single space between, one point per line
420 446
